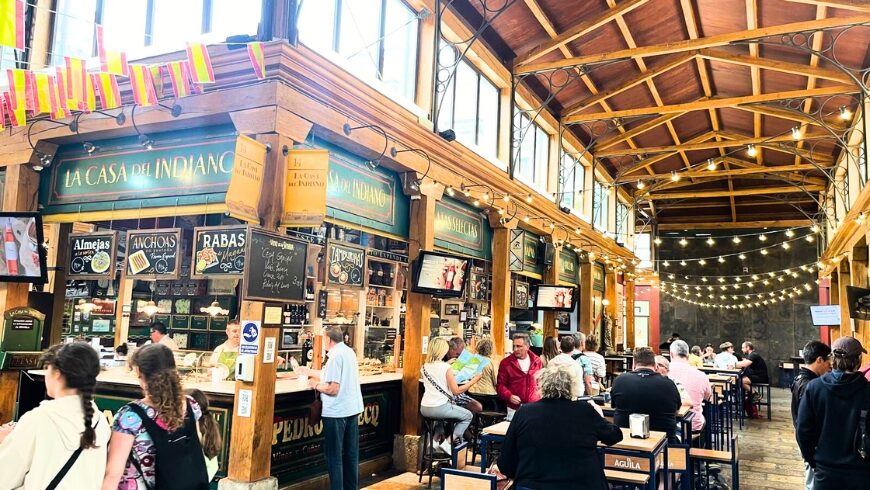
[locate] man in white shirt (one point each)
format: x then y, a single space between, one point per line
565 359
158 336
726 358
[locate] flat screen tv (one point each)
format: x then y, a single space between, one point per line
555 298
825 315
23 257
440 274
859 302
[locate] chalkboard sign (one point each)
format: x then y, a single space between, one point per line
154 254
92 255
276 267
219 251
345 265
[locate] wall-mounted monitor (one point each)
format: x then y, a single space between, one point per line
440 274
825 315
23 256
555 298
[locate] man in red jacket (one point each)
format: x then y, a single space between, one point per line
516 376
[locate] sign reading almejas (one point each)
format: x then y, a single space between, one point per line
92 255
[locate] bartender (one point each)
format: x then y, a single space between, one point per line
231 346
159 336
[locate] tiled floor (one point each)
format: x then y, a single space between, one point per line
769 458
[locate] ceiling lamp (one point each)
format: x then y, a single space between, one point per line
675 176
214 309
150 308
640 184
711 164
845 113
751 150
86 306
796 133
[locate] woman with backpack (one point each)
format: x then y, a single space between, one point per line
155 443
61 444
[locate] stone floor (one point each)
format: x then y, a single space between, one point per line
769 458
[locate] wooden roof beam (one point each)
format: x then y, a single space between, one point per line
711 145
787 223
776 65
788 115
578 30
693 44
723 204
854 5
703 105
736 193
635 131
732 172
819 158
647 162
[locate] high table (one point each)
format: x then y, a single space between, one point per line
631 454
736 372
684 416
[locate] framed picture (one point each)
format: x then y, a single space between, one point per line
451 309
521 295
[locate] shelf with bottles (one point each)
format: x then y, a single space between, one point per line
381 273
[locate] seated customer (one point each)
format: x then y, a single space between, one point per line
756 368
646 391
489 376
552 443
725 359
709 355
695 382
566 345
695 357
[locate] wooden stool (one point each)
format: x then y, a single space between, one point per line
428 456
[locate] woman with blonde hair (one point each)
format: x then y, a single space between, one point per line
441 389
489 375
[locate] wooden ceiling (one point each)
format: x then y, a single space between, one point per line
687 87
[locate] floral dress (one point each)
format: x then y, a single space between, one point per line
128 422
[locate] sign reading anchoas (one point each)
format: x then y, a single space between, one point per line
154 253
92 255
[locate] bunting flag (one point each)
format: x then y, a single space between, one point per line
114 62
157 78
40 89
142 84
16 117
179 75
12 23
90 104
62 109
2 114
255 53
107 85
76 84
200 64
18 90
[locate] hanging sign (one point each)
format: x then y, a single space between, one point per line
154 254
518 238
567 267
361 192
345 265
246 181
305 187
598 277
92 255
219 252
457 225
276 267
530 251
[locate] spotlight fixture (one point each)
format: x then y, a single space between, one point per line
506 197
146 142
675 176
476 203
91 148
526 219
751 150
796 133
711 164
44 161
450 191
448 134
845 113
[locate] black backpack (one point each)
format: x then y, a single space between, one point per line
180 464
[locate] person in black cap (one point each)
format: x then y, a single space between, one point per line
817 361
828 425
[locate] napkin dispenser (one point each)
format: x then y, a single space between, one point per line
638 425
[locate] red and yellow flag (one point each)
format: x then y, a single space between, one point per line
200 64
255 53
179 75
18 90
16 117
114 62
2 114
107 85
157 78
60 95
76 83
142 84
40 89
12 23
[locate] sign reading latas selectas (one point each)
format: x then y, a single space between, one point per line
305 187
154 254
246 182
276 267
219 251
92 255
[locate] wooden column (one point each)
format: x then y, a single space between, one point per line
425 65
610 295
587 307
22 187
250 443
551 276
628 342
501 281
834 299
57 259
844 279
419 307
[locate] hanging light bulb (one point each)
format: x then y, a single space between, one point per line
704 279
683 242
666 264
711 164
754 277
529 198
485 196
860 219
466 192
500 212
741 257
506 197
552 226
809 238
789 233
751 150
845 113
450 191
711 242
526 219
736 240
796 133
657 241
702 262
814 228
640 184
764 251
476 203
721 259
785 245
591 256
214 309
683 263
721 279
762 237
670 276
577 230
675 176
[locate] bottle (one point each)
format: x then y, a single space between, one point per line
309 291
11 250
391 274
307 352
307 317
381 278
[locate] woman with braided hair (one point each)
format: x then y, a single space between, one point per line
67 432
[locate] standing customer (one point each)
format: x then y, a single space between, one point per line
542 434
828 422
33 451
817 361
141 428
516 375
341 408
550 350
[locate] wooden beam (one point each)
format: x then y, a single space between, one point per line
739 192
653 160
629 83
725 204
785 223
693 44
635 131
788 115
854 5
776 65
714 103
710 145
732 172
579 30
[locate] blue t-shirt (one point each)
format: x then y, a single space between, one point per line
585 363
341 368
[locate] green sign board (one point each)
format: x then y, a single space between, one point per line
180 169
531 253
598 276
460 228
568 266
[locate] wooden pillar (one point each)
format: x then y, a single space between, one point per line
501 281
587 307
834 299
57 259
628 329
551 276
419 307
844 279
610 294
250 443
425 65
22 186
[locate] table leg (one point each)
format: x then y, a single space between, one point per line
483 447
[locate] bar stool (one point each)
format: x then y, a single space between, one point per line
428 456
764 401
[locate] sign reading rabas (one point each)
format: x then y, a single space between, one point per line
173 170
154 254
92 255
246 182
305 187
361 192
219 252
345 265
276 267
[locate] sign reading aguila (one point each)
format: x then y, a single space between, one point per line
182 169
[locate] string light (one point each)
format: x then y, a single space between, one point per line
486 196
845 113
763 238
684 242
675 176
657 241
785 245
751 150
711 242
741 257
721 260
736 240
529 199
789 233
809 238
476 203
640 184
711 164
506 197
796 133
702 262
764 251
450 191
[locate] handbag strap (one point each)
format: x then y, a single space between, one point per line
437 386
67 466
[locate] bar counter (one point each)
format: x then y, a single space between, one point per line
297 447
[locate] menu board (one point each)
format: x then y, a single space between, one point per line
154 254
276 267
92 255
219 251
345 265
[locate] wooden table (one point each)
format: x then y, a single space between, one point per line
684 417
